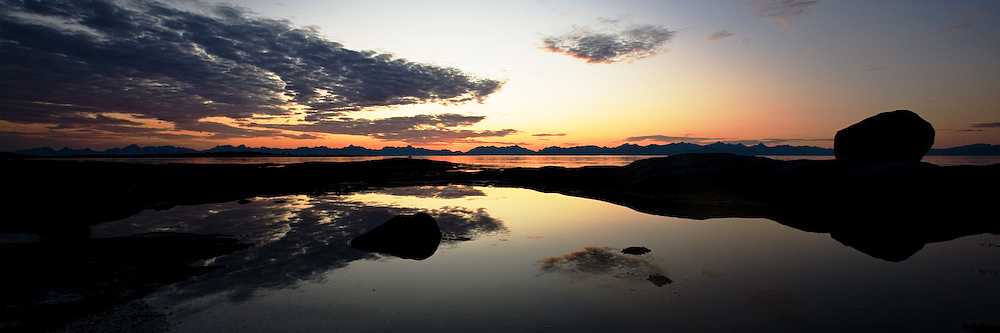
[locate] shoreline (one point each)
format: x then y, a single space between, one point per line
887 211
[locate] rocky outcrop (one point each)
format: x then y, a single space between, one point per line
406 236
897 136
886 210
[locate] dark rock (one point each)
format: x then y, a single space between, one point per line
659 280
637 250
49 284
897 136
981 328
406 236
243 201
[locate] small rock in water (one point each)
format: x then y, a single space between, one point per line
659 280
414 237
637 250
243 201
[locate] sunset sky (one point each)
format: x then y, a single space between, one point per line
458 74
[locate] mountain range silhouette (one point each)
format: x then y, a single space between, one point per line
624 149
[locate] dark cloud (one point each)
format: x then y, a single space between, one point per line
419 129
66 60
549 134
780 10
611 44
986 125
718 35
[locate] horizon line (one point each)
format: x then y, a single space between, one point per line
579 150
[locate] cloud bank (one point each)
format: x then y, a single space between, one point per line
610 44
419 129
667 138
780 10
69 64
697 140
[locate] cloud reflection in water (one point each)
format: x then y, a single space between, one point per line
594 261
296 238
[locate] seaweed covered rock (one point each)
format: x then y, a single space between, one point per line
897 136
414 236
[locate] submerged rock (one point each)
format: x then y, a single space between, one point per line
897 136
414 237
636 250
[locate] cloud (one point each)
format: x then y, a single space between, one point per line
611 44
960 26
667 138
549 134
766 141
718 35
970 12
780 10
67 61
419 129
986 125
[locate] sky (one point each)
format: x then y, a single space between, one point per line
444 74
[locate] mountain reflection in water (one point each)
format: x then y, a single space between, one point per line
516 259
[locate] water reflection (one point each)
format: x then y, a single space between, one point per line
773 299
295 238
708 275
441 192
594 261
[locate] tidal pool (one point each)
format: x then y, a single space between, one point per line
520 260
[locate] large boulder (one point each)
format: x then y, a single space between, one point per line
897 136
406 236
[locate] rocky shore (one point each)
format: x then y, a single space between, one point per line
910 203
886 208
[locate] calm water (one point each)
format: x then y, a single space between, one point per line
520 260
501 161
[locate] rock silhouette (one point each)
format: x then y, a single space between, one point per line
897 136
51 283
414 237
636 250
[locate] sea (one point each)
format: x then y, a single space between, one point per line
490 161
